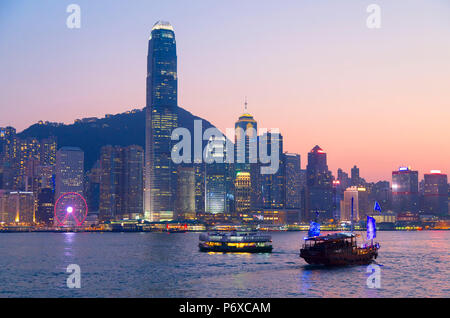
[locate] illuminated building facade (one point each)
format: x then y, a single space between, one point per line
46 176
161 119
216 177
185 207
4 218
245 154
20 160
92 188
133 182
33 155
293 187
338 194
121 184
292 171
435 193
29 151
319 192
111 183
200 174
47 151
360 204
31 179
215 188
246 129
69 172
273 216
9 158
17 207
408 218
45 206
7 136
405 190
273 186
303 190
242 188
386 217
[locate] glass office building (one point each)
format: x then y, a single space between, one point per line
161 119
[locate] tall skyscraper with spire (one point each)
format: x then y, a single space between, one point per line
246 172
161 119
246 134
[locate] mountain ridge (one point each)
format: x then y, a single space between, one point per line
90 134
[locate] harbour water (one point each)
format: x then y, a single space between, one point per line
413 264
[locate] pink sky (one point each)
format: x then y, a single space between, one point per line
375 98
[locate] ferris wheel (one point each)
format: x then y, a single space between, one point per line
70 209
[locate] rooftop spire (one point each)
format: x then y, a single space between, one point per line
317 149
162 25
245 105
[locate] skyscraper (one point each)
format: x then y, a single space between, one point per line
9 157
22 159
45 206
200 176
360 204
111 182
242 195
92 188
29 150
48 151
245 154
185 207
344 180
121 187
69 175
17 207
216 177
161 119
246 129
69 171
355 178
133 170
293 187
319 199
303 190
405 190
381 192
436 193
273 185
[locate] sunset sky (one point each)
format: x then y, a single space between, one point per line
378 98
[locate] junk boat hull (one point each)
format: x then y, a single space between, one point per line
340 258
337 250
235 242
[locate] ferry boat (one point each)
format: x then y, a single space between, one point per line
243 242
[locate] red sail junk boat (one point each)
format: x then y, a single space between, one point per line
340 249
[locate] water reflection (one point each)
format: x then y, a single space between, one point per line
69 249
156 265
69 237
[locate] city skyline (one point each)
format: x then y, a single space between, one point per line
224 155
378 112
